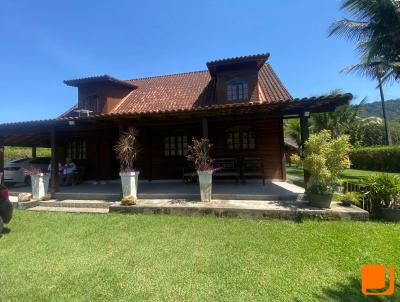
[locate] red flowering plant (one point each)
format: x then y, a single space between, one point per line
199 154
127 149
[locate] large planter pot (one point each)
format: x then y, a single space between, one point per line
205 180
388 214
320 200
40 185
129 181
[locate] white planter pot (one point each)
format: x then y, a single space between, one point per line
40 185
205 180
129 181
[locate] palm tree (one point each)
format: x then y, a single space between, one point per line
377 35
292 130
344 120
375 70
376 31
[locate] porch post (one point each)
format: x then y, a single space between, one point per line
34 152
305 133
204 126
54 165
1 159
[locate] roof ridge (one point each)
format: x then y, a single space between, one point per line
168 75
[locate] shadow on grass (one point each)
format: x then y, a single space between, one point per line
5 231
350 291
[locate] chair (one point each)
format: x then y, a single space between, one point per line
227 167
253 167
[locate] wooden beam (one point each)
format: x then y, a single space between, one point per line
54 164
204 126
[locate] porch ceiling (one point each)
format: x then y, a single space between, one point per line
16 133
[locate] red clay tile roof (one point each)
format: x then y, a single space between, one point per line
103 78
260 59
191 90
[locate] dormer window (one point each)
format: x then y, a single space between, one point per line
237 90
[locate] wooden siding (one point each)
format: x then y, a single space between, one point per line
101 163
247 72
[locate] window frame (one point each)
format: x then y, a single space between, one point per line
237 90
175 146
240 139
76 149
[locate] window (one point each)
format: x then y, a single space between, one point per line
237 90
175 145
92 103
76 149
240 139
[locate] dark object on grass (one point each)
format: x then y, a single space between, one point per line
6 208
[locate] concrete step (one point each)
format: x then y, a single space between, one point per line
95 204
69 210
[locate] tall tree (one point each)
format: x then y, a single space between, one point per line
377 35
375 29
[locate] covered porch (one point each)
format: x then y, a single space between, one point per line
237 131
111 191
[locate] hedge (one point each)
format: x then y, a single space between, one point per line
386 159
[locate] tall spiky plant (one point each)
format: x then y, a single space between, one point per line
127 149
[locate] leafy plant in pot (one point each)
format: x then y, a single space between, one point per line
39 182
199 154
324 158
127 149
383 193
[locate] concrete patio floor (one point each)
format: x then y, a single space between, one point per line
178 190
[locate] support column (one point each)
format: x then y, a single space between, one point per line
34 152
204 126
54 176
2 159
305 133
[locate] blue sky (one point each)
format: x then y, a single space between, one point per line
44 42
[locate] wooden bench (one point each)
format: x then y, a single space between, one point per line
227 167
253 167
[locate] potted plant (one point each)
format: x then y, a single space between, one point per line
199 154
383 193
127 149
324 158
39 182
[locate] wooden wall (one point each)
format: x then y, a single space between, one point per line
110 95
247 72
101 163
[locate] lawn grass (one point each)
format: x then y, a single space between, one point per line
70 257
295 174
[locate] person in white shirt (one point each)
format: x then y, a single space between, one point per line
60 169
68 172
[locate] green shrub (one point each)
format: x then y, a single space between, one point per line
353 197
324 158
383 190
386 159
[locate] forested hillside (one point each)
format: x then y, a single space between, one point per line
375 109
